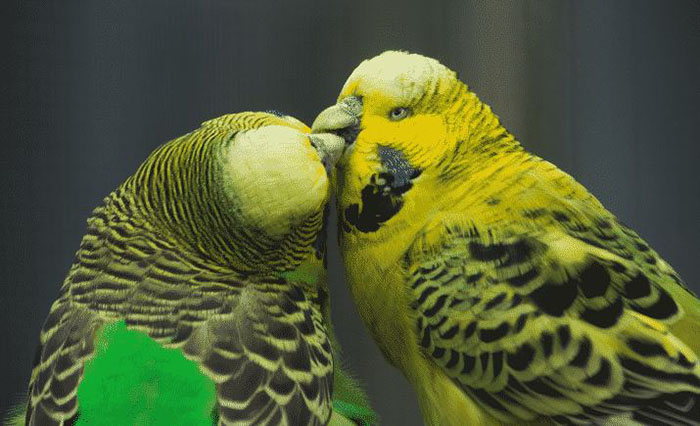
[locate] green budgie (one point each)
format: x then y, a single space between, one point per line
198 295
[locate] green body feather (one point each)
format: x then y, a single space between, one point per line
133 380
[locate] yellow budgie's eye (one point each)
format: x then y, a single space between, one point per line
399 113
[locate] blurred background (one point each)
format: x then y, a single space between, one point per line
609 91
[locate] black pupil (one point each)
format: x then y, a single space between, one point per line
398 112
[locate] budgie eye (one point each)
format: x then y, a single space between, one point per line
399 113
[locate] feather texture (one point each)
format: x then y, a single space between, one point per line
504 291
169 253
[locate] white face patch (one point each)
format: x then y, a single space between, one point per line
275 178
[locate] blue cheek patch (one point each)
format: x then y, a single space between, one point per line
398 166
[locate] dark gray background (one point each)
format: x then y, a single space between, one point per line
609 91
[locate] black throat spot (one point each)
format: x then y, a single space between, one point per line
382 198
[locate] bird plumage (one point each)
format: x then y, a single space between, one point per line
504 290
181 254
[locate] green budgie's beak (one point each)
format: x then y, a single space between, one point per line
329 147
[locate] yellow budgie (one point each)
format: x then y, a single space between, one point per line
502 289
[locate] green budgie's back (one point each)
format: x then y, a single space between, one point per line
198 294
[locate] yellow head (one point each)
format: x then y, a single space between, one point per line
411 129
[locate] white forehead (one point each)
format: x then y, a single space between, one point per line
397 74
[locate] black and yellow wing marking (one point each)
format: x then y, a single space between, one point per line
533 324
262 341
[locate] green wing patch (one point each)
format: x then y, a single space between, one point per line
134 380
359 414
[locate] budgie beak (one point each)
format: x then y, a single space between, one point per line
342 119
329 147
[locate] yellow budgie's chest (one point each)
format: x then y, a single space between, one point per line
380 293
374 249
378 288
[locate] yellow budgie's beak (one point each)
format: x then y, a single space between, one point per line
342 119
